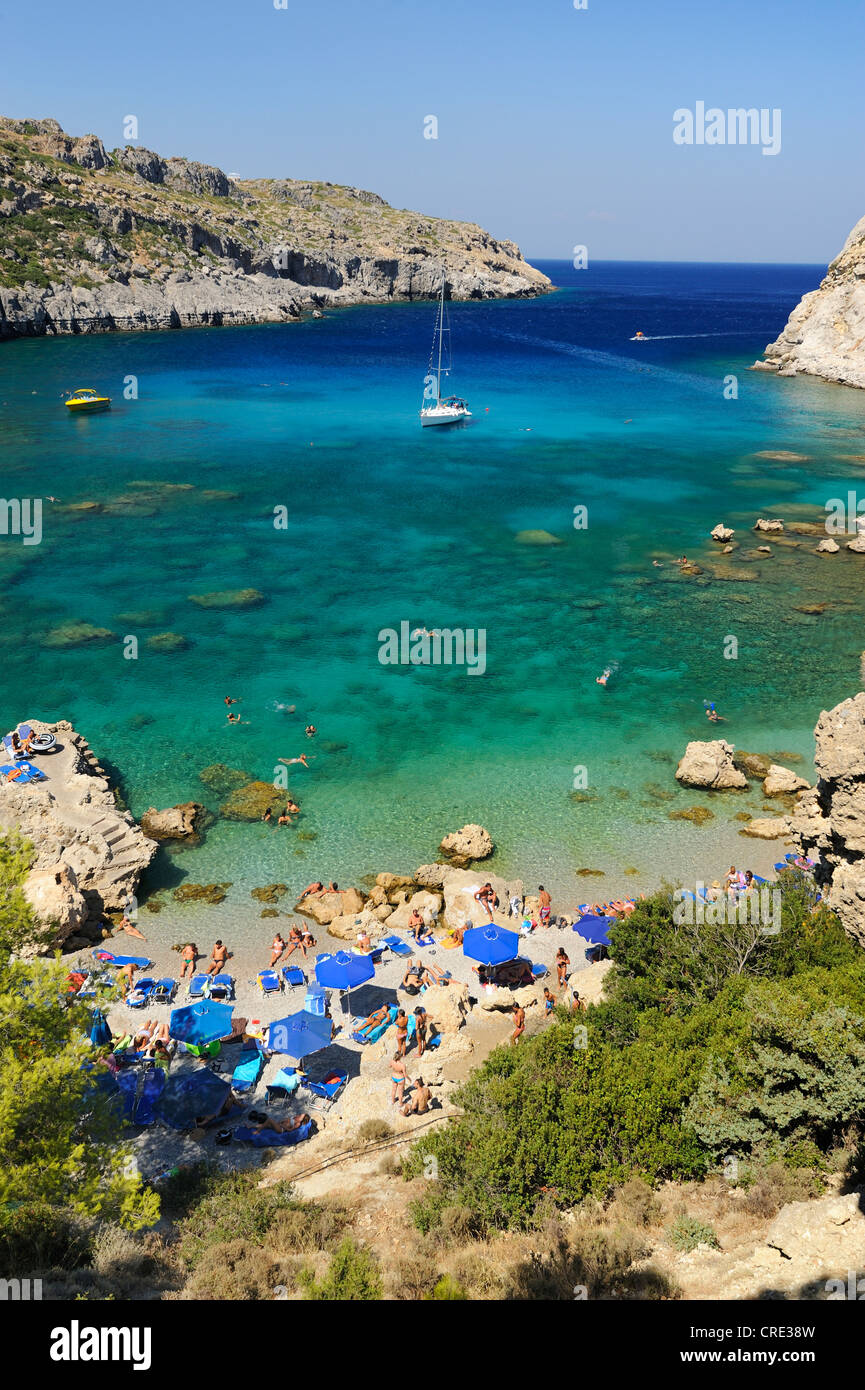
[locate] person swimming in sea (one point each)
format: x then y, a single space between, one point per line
288 761
604 677
712 714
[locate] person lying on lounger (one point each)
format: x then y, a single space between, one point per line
282 1126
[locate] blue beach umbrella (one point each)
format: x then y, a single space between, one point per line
100 1033
201 1023
345 970
595 929
299 1034
491 945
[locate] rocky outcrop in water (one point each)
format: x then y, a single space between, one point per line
710 765
825 334
829 821
89 854
94 240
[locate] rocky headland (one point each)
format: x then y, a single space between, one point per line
88 852
93 240
825 334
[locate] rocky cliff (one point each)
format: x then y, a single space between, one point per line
89 854
825 334
92 240
829 820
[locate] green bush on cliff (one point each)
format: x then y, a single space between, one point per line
712 1042
60 1136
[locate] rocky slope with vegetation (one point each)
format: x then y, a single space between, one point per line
93 240
825 334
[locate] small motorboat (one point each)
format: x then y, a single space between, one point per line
85 399
638 337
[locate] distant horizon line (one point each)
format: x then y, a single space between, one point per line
657 260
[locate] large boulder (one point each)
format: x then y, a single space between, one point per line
347 902
429 905
180 822
348 925
250 802
710 765
447 1005
431 875
463 847
57 900
829 821
722 533
780 781
460 886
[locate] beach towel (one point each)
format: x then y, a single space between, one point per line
248 1070
109 958
379 1031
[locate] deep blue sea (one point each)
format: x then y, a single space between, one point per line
390 523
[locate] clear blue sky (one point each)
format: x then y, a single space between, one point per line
555 125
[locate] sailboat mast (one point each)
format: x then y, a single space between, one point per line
441 334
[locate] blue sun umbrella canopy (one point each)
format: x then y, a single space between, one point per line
190 1095
100 1033
595 929
491 945
201 1023
299 1034
345 970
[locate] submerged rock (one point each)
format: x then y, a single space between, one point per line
270 893
250 801
771 828
211 893
167 642
698 814
223 779
77 635
229 598
537 538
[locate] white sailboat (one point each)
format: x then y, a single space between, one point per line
436 410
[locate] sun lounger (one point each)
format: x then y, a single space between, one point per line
248 1069
398 947
267 981
328 1090
292 976
285 1083
221 987
138 997
539 971
109 958
198 986
268 1139
315 1002
163 991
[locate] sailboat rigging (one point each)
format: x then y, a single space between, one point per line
436 410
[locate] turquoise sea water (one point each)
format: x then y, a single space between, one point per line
389 523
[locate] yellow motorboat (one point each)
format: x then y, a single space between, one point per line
85 399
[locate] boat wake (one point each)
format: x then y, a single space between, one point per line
659 337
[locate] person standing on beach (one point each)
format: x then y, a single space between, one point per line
188 957
549 1001
519 1024
562 963
545 905
401 1032
399 1078
421 1021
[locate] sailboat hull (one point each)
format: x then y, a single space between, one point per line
443 415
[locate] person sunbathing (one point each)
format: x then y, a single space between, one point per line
364 943
229 1104
374 1020
295 942
437 976
455 935
313 890
282 1126
486 896
413 977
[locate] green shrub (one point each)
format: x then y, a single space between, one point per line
353 1276
233 1209
448 1288
687 1232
